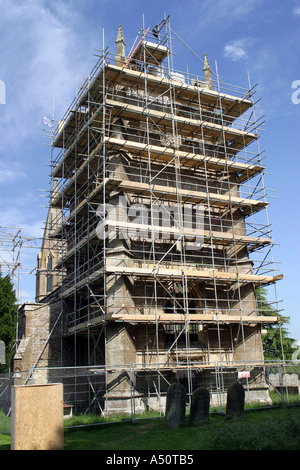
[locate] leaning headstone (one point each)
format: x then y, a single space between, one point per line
235 401
199 407
175 406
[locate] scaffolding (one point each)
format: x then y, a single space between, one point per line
12 241
157 235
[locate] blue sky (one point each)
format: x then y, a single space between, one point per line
48 46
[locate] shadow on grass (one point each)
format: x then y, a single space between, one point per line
264 429
273 429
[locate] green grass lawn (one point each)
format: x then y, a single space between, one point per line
273 429
270 429
277 429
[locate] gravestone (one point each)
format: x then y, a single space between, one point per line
199 407
37 417
175 406
2 352
235 401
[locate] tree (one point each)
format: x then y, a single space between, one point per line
8 318
276 337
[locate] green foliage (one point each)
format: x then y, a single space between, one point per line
276 336
8 318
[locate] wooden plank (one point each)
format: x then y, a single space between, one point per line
221 238
192 318
154 53
169 193
201 318
175 274
69 188
185 195
198 274
240 138
233 105
166 154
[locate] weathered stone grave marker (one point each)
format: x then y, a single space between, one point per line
2 353
175 406
199 407
235 401
37 417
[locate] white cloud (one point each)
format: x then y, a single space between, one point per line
232 8
238 49
9 172
235 50
21 211
208 15
296 12
41 53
